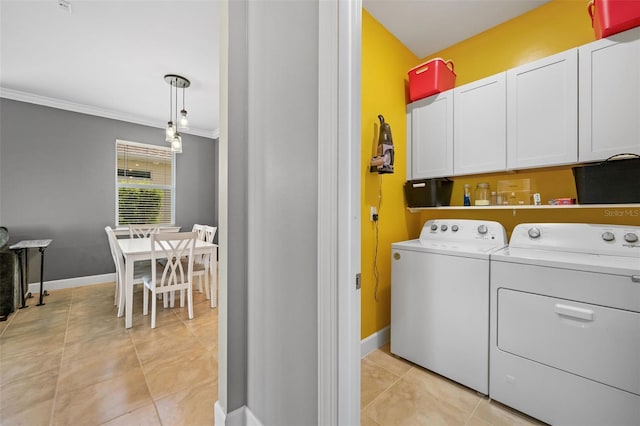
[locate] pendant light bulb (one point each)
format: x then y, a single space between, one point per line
176 144
184 122
170 132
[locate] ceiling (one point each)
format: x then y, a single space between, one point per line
428 26
108 58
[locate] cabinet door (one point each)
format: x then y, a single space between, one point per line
610 96
480 126
432 136
542 112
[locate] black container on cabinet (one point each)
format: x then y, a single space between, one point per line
428 192
609 182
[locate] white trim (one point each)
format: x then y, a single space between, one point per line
34 288
339 212
240 417
327 274
30 98
375 341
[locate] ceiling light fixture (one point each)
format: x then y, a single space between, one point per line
172 135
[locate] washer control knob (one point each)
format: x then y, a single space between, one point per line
454 228
482 229
434 227
534 232
443 227
630 237
608 236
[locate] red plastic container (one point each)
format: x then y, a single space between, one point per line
431 77
609 17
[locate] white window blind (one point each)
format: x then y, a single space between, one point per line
145 186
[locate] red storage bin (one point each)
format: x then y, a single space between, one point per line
431 77
609 17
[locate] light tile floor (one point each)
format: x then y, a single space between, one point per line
72 362
396 392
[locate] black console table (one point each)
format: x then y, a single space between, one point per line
23 264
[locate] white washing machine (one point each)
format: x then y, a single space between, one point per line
440 298
565 324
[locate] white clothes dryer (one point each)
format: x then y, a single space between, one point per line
440 298
565 323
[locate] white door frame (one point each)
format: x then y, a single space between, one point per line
339 103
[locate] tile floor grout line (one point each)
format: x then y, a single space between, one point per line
144 374
64 344
473 412
385 389
9 321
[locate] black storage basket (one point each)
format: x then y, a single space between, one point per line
428 192
609 182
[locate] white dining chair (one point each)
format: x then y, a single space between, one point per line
199 270
143 230
212 281
175 275
140 269
199 230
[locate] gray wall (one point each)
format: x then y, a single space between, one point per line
273 149
57 181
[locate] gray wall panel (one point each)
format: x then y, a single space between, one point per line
283 205
57 181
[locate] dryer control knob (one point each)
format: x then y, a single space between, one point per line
534 232
482 229
608 236
630 237
434 227
454 228
444 227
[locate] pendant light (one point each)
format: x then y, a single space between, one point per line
171 133
184 123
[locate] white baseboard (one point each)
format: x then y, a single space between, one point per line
374 341
240 417
34 288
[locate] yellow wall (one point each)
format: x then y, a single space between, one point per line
551 28
556 26
385 62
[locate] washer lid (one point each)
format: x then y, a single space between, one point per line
479 250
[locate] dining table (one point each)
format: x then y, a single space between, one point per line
139 249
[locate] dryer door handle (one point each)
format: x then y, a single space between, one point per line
635 278
573 311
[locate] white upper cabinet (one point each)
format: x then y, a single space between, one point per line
431 135
542 112
610 97
480 126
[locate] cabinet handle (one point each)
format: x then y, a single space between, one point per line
572 311
419 185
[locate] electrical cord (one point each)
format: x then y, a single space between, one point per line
376 272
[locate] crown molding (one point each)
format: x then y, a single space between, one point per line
99 112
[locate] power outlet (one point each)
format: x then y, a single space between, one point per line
373 214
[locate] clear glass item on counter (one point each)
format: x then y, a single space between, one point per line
494 198
482 194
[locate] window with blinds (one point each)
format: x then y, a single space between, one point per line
145 186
